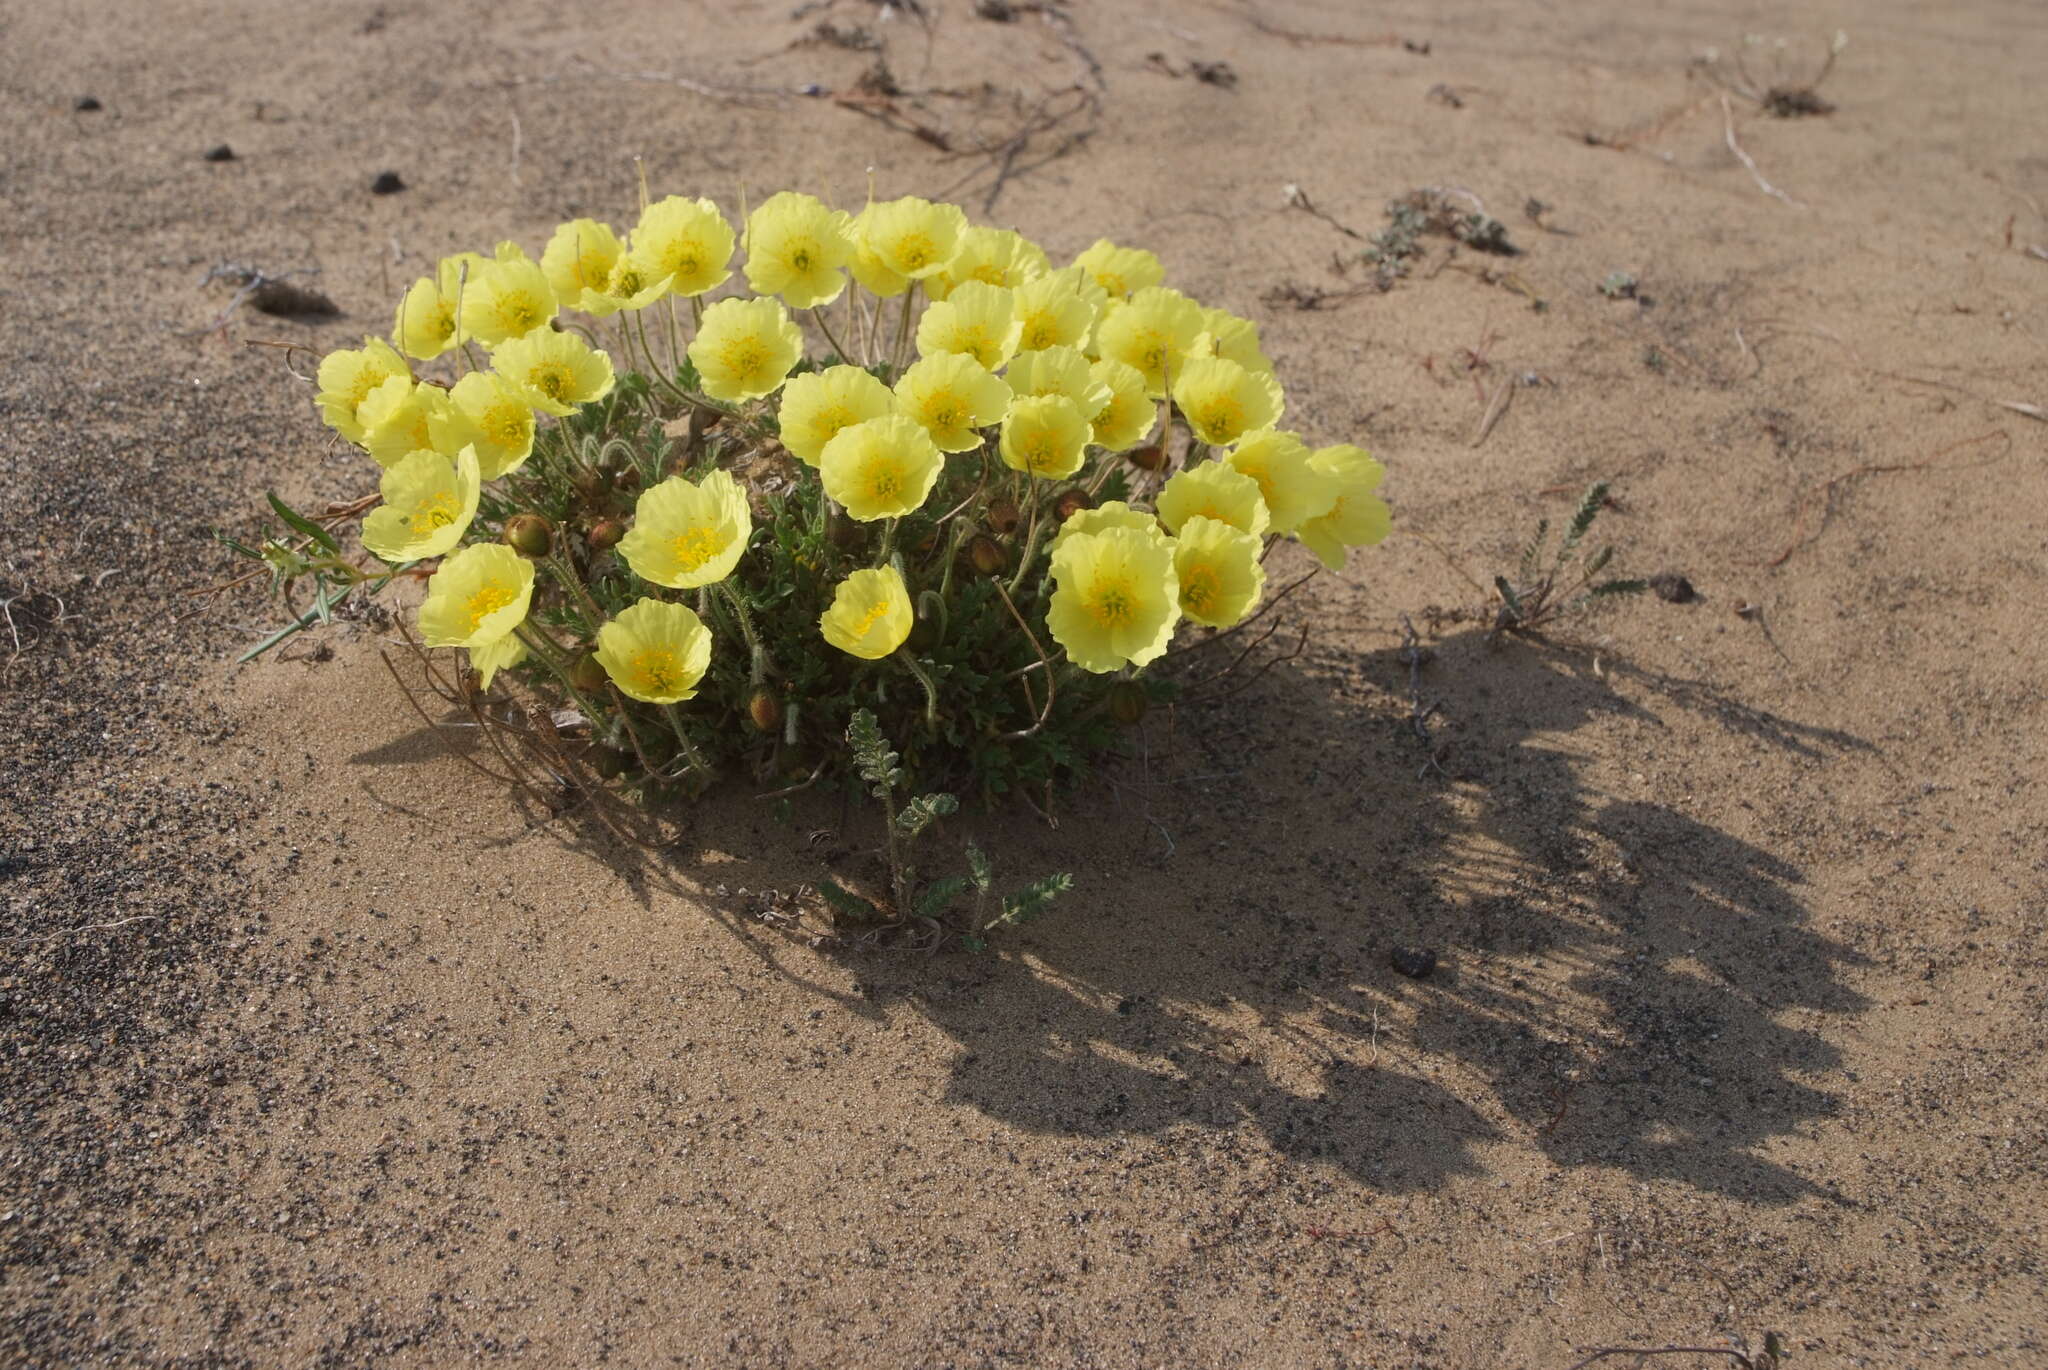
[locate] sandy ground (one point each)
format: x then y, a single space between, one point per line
318 1049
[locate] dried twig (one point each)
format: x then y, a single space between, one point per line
1728 124
1823 493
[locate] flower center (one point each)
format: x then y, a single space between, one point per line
742 357
552 379
916 251
659 670
876 612
1200 588
694 548
436 511
1223 414
517 314
487 600
1114 603
885 481
506 424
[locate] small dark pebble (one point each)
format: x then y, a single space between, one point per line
220 153
387 183
1414 962
86 104
1125 1007
1673 588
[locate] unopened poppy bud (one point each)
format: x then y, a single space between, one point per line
1150 457
1070 503
588 674
529 534
590 486
1002 515
986 554
1128 701
605 534
627 481
765 710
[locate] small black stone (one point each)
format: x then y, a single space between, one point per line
1125 1006
1673 588
86 104
220 153
1414 962
387 183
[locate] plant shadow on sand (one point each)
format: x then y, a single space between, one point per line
1618 984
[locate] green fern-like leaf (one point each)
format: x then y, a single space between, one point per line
1508 597
847 902
939 894
1533 551
922 812
871 753
1030 901
1582 519
979 867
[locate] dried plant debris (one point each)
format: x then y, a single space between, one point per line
274 295
1434 211
1767 73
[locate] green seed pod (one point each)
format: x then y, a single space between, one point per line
986 555
605 535
529 535
1002 515
1128 702
1071 502
764 709
588 674
1150 457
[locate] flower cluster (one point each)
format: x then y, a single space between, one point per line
995 486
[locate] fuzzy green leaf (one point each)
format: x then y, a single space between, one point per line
847 902
302 525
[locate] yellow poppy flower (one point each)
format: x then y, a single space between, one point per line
1295 490
882 468
817 404
491 414
688 242
506 298
477 597
555 371
425 325
579 259
951 396
1152 332
398 418
875 275
1222 401
348 377
1059 371
1219 572
1359 518
1213 490
654 651
795 248
1045 436
744 348
494 657
688 534
993 256
914 238
428 504
870 615
1109 514
975 321
1225 335
1057 309
1121 271
1115 599
634 283
1131 414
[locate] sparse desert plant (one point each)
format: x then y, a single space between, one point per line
1546 591
962 501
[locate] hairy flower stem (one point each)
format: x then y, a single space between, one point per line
696 759
818 316
542 646
756 652
888 542
931 690
902 333
566 573
1030 541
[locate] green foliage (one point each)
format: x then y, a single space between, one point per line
1542 594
